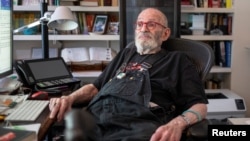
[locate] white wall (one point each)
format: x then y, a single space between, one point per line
240 80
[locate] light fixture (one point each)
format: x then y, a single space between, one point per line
61 19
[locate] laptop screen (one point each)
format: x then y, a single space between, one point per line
48 69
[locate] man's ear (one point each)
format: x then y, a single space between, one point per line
166 34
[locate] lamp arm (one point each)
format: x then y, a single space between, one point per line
20 29
46 17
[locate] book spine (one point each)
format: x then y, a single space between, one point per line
107 2
229 3
228 52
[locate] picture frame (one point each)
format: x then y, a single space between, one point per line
100 24
113 28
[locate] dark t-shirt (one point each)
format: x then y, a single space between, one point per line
174 79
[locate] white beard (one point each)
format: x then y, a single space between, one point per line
145 47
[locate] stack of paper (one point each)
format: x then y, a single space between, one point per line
198 24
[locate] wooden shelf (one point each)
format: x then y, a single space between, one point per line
206 10
86 74
73 8
217 69
208 37
69 37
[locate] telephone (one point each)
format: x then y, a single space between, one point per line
44 73
24 73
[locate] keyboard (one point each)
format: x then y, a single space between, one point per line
28 110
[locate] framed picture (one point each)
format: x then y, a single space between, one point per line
113 28
100 23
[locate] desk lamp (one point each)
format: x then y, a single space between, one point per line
61 19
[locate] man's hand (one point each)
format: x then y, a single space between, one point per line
59 107
171 131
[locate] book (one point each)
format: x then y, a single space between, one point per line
229 3
107 3
115 2
17 134
216 3
67 3
90 17
228 53
85 59
88 3
81 54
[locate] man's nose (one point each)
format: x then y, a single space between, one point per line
144 27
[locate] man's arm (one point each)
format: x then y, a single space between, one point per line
173 130
84 94
59 106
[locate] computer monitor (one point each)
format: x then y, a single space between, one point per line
6 38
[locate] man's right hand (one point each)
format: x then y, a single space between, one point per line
59 107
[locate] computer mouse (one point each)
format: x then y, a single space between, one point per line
40 95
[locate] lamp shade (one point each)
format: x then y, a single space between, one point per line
62 19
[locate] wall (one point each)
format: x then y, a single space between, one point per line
240 80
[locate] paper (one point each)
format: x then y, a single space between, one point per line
77 54
37 53
29 127
4 109
100 53
81 54
22 53
198 21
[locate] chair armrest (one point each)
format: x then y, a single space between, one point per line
198 130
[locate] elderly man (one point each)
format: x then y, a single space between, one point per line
145 93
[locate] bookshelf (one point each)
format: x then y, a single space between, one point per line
113 40
68 40
217 73
100 9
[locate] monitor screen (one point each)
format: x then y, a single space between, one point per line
48 69
6 67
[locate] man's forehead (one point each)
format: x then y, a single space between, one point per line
147 19
150 16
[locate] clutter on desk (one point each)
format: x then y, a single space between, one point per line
9 85
9 102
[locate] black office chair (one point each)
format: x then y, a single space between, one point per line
201 55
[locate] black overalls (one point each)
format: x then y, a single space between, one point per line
121 108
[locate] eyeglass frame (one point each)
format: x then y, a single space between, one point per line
146 23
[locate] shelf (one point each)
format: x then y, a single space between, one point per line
208 37
69 37
86 73
217 69
206 10
73 8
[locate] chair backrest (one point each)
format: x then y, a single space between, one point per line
200 53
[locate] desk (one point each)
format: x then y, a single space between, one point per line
239 121
43 119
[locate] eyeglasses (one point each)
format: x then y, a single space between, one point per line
150 25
